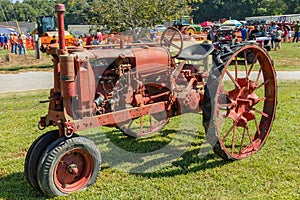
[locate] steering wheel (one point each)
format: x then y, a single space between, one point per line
172 40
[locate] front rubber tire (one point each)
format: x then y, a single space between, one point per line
68 166
33 156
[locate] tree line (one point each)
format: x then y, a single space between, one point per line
135 13
213 10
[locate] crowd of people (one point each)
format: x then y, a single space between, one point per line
93 39
278 33
275 32
14 41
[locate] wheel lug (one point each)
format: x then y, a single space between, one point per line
72 169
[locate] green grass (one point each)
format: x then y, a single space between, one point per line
272 173
287 58
4 52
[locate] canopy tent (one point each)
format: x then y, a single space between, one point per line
4 30
233 22
207 23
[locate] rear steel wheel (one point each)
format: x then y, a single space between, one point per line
68 165
33 156
240 102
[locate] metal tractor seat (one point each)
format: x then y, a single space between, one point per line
196 52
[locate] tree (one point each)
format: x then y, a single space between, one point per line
121 15
124 14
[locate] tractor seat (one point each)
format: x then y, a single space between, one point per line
196 52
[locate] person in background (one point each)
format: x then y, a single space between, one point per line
253 33
99 36
29 40
6 39
285 34
89 39
53 40
13 39
21 46
273 30
191 37
153 33
296 30
1 40
79 41
244 33
95 40
278 38
24 37
211 34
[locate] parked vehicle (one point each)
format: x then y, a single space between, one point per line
263 39
186 26
160 28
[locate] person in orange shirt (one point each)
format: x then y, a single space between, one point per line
13 39
21 45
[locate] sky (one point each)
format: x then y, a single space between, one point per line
16 0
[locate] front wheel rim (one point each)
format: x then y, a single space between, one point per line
74 170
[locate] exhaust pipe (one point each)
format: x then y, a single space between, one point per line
60 9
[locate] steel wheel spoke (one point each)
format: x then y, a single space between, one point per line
130 123
257 126
262 113
233 139
258 75
250 139
233 80
243 139
236 68
252 65
228 132
262 84
246 62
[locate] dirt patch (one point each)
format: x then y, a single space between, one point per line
13 62
290 62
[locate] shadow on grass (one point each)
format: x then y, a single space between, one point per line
15 186
189 163
136 154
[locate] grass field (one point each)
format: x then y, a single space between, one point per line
287 58
272 173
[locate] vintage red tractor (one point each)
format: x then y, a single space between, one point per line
146 86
